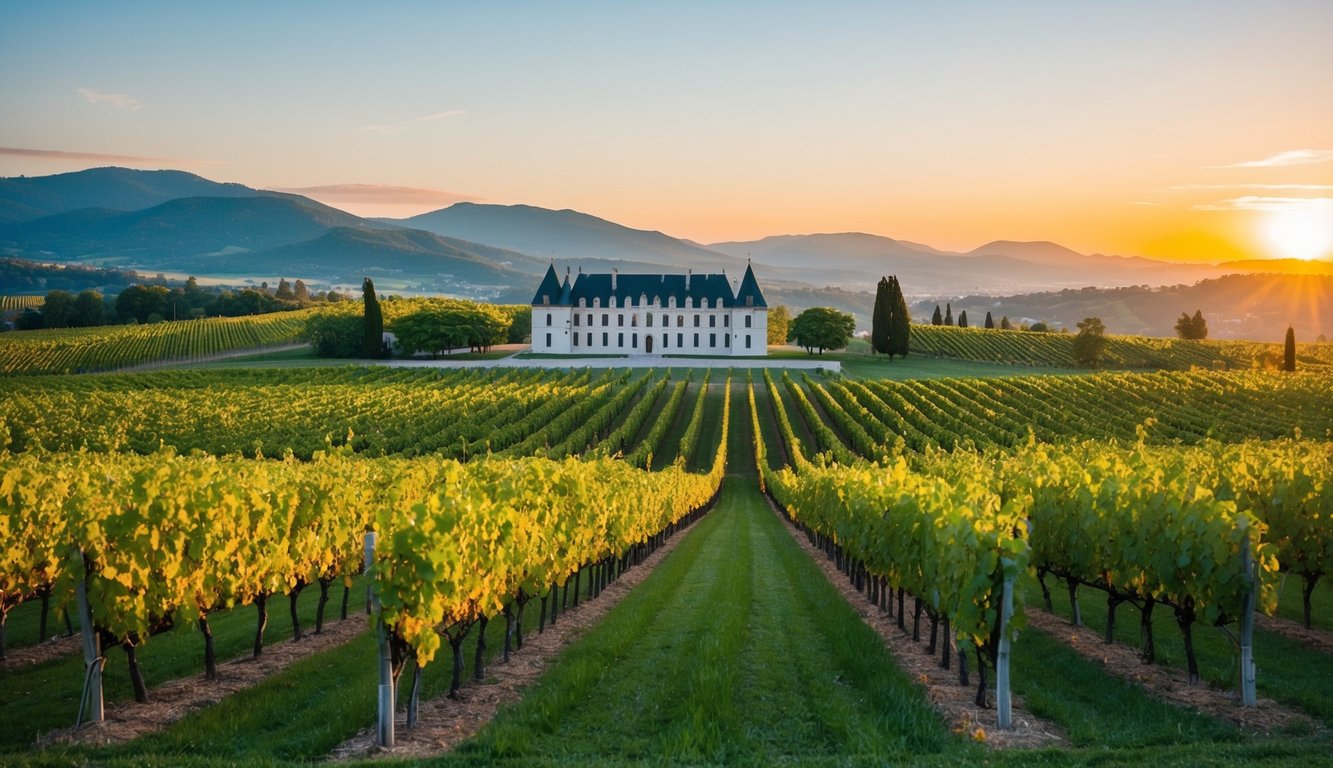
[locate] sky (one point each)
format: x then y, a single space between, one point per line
1181 130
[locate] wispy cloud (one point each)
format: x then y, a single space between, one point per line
1290 157
1270 204
409 124
378 194
55 154
1259 187
119 100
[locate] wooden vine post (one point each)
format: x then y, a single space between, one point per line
384 720
1248 695
92 700
1003 696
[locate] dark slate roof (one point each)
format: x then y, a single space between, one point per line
638 289
750 288
550 288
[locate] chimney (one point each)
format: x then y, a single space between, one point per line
614 272
688 272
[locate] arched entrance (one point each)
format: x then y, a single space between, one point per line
648 343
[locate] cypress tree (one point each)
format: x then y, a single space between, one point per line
880 319
948 314
372 344
1005 325
1289 351
962 319
989 322
937 318
900 321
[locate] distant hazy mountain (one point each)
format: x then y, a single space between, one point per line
566 236
345 255
164 234
856 261
853 251
118 189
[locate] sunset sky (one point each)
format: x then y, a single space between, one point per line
1171 130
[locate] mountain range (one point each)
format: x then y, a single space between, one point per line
172 221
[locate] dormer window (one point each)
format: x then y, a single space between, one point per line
583 303
749 301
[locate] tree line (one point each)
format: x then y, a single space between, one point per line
155 303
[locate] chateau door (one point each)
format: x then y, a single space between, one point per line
648 343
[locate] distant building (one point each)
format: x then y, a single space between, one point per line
649 315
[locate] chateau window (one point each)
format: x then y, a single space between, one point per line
606 319
634 320
546 299
726 321
620 321
589 319
726 340
696 341
712 339
583 303
620 339
548 318
747 341
605 335
697 320
649 317
747 321
576 337
548 340
666 321
680 321
634 340
596 303
665 337
712 321
576 320
749 301
590 339
680 339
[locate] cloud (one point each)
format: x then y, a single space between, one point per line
1259 187
378 194
409 124
55 154
1290 157
1270 204
119 100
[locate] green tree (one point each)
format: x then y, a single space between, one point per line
1039 327
990 323
880 317
284 292
137 302
372 343
948 314
1005 325
1195 327
779 323
335 333
58 309
300 292
89 309
822 328
1289 351
900 320
937 318
962 319
1090 343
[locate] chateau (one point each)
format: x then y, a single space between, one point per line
649 315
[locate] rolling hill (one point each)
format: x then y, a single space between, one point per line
564 235
119 189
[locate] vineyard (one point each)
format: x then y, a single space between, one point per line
78 350
20 303
1056 350
169 512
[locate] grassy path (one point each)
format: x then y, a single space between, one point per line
736 650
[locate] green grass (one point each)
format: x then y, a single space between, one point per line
736 650
42 697
1288 672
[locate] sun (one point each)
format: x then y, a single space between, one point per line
1303 233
